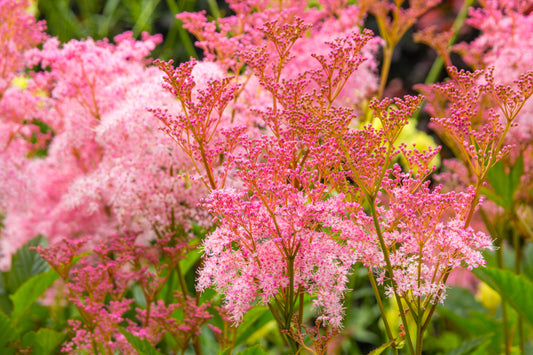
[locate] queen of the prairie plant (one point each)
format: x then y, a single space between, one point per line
107 167
280 235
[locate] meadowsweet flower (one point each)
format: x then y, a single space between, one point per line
107 166
279 234
425 232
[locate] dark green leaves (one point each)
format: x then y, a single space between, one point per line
28 293
504 185
42 342
514 289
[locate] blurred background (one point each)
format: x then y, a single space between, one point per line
76 19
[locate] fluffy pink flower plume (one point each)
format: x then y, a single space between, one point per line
271 242
304 178
108 167
18 32
263 130
227 41
425 232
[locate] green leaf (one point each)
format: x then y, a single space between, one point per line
475 323
7 331
253 320
515 289
504 185
43 342
462 302
192 258
5 302
382 348
468 346
28 293
25 263
141 345
485 348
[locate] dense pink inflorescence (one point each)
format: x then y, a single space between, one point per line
426 232
98 284
108 167
275 239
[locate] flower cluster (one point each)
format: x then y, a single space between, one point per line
98 283
108 167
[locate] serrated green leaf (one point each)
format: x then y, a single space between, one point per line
141 345
515 289
208 295
500 182
28 293
7 331
382 348
504 185
25 263
42 342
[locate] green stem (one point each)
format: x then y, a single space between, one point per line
387 59
300 310
505 318
438 64
381 308
183 284
289 303
196 345
170 280
419 318
389 269
518 262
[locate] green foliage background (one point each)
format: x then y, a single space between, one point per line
77 19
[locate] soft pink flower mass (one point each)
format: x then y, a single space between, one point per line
108 168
